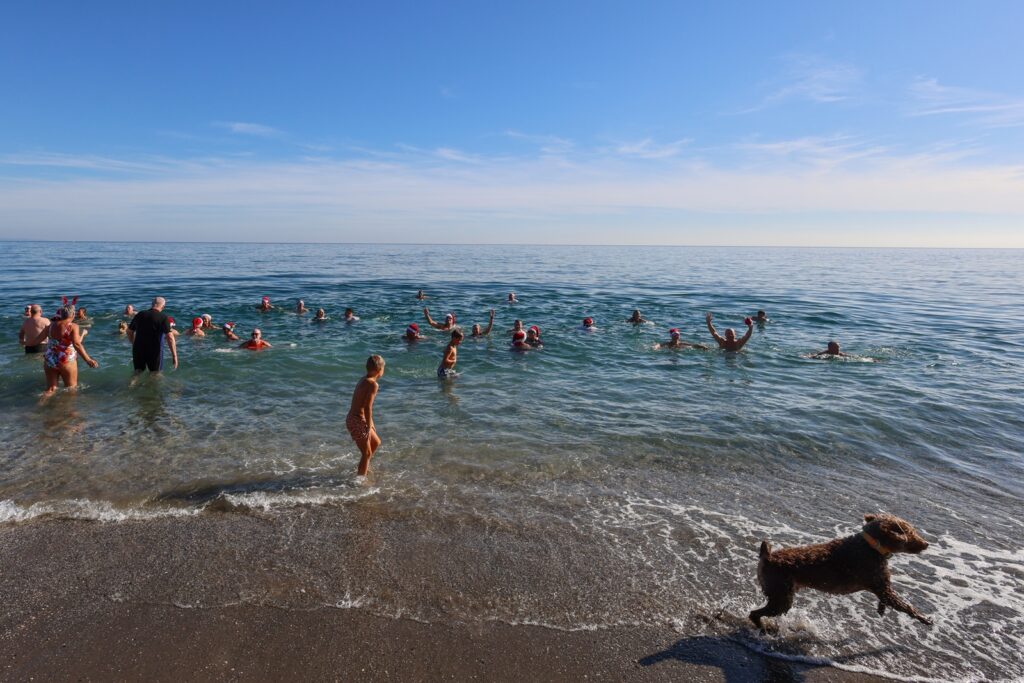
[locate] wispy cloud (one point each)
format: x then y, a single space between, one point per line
814 79
244 128
823 152
988 109
649 149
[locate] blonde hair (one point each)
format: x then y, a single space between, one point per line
375 363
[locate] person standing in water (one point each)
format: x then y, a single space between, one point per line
148 332
32 327
446 370
64 346
729 342
359 420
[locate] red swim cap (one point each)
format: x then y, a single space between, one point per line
535 329
588 321
414 327
674 332
170 320
266 299
519 336
197 322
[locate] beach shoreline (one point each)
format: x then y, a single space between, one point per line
69 586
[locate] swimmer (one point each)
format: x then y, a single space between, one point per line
761 318
122 327
832 351
359 420
449 321
421 295
533 337
32 327
28 311
477 332
519 341
412 333
730 342
350 316
675 342
517 326
321 316
173 325
82 316
197 328
129 311
265 304
512 298
300 307
636 318
256 342
446 370
587 325
208 322
229 331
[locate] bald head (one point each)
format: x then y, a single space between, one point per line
158 303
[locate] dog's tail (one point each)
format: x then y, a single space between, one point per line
766 550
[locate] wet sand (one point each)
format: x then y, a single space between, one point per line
91 601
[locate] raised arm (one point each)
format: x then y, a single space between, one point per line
745 338
714 333
431 321
490 324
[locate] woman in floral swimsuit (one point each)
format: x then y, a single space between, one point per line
64 345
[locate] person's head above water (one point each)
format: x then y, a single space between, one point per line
511 296
517 325
412 331
588 322
196 323
374 366
519 338
229 326
321 313
476 330
256 333
674 333
730 335
129 310
170 321
158 303
761 315
833 347
457 335
636 315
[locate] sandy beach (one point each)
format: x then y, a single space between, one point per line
83 601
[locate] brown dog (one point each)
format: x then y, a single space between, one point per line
845 565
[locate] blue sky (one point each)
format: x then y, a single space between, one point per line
890 124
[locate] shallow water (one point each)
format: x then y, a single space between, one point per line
624 485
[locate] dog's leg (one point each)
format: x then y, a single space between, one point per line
779 602
887 598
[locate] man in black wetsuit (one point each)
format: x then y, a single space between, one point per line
147 332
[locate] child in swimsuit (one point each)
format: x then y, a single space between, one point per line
359 420
446 370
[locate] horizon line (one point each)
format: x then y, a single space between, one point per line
515 244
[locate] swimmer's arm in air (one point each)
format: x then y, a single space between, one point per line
745 338
711 328
430 321
490 324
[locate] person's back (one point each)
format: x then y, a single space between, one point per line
149 330
32 328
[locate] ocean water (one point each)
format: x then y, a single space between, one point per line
594 483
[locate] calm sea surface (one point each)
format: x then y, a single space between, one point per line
622 485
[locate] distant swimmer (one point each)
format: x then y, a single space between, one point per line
730 342
321 315
197 328
832 351
148 332
122 327
676 342
359 420
208 322
300 307
350 316
129 311
82 316
449 320
64 345
477 332
256 342
519 342
533 337
761 318
512 298
517 326
265 305
28 311
229 331
412 333
32 327
636 318
587 325
421 295
446 370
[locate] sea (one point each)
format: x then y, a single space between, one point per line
595 483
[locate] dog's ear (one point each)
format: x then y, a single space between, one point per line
870 518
